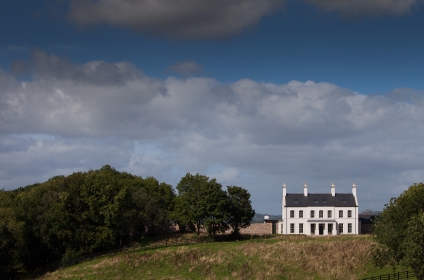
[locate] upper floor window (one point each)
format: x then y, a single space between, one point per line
341 214
324 201
295 201
312 214
291 214
329 214
316 201
344 200
349 214
321 214
301 214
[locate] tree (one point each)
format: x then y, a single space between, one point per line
216 208
240 211
396 229
201 202
12 245
413 245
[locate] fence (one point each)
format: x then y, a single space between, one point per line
394 276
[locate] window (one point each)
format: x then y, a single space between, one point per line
349 214
301 214
312 229
329 214
291 214
282 230
321 214
341 214
300 228
344 200
349 228
324 201
312 214
291 228
316 201
295 201
330 229
340 228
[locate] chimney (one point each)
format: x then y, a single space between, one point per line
305 189
354 189
333 189
284 189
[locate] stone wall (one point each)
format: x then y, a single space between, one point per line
262 228
254 228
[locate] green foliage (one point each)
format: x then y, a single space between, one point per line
396 229
202 202
12 245
84 212
413 245
87 212
240 211
191 205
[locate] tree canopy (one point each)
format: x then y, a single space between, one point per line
240 211
86 212
399 230
201 202
82 213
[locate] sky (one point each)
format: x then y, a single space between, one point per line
252 93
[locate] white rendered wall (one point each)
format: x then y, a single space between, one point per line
286 220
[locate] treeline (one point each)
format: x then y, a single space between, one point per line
87 212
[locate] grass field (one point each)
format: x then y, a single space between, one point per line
281 257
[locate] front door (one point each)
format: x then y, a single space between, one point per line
330 229
321 229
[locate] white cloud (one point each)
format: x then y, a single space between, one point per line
359 8
256 135
207 19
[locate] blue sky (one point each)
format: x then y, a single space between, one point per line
252 93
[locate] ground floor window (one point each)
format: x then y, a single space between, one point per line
312 229
340 228
349 228
300 228
330 229
291 228
282 228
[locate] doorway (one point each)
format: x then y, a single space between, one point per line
321 229
330 229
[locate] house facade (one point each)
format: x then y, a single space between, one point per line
319 214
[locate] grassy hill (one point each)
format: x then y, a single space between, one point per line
281 257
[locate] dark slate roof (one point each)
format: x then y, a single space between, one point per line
322 199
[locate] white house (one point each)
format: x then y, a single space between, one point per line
319 214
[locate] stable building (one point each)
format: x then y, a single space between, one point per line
319 214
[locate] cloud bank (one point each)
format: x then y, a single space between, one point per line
206 19
71 117
212 19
